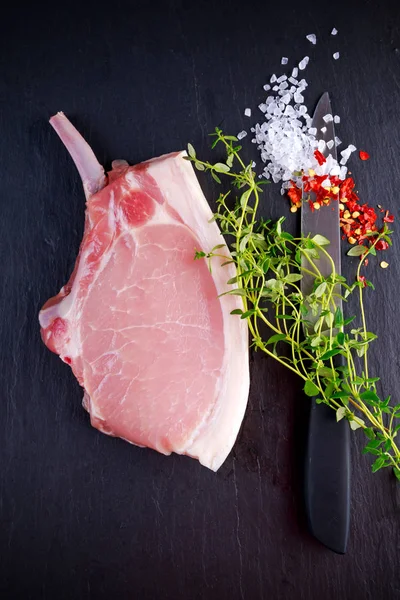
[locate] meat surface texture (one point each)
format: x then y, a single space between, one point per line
142 324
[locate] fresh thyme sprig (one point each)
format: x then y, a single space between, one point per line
269 268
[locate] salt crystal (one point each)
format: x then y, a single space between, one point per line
326 183
338 141
343 172
284 60
330 144
273 78
298 97
247 112
303 63
285 137
335 171
323 129
352 148
312 38
328 118
334 31
336 55
336 119
266 87
253 164
241 135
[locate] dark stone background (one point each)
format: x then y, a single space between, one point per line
84 516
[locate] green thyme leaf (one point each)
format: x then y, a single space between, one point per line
340 413
378 464
320 289
357 250
276 338
191 151
320 240
310 389
221 168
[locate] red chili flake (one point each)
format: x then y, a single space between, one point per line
382 245
363 279
364 155
388 218
357 221
294 193
320 158
346 188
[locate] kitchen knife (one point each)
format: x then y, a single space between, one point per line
327 472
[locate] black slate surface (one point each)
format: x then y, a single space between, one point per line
84 516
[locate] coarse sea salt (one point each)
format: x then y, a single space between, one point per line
284 60
241 135
336 55
303 63
286 139
312 38
247 112
334 31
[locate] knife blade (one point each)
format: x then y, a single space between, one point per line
327 469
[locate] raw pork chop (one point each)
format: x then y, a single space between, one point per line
162 362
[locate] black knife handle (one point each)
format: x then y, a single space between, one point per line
327 476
